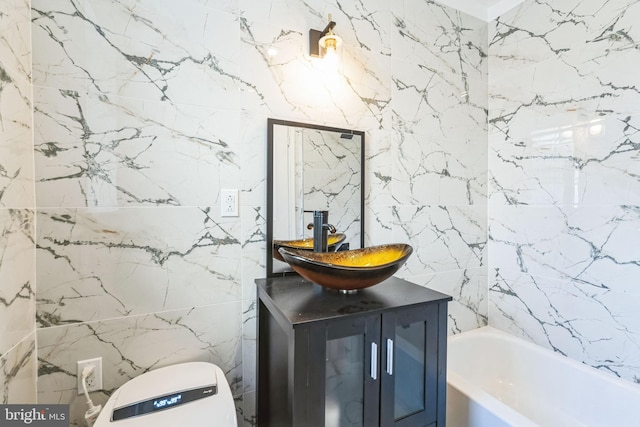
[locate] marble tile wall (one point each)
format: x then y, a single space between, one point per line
564 164
428 180
330 181
17 239
145 109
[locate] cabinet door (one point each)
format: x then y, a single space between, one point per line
344 372
409 365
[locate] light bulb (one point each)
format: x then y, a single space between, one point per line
331 60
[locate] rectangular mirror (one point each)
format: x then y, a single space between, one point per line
311 167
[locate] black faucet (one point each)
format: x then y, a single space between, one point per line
320 228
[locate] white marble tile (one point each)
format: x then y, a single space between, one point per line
290 15
593 245
329 179
16 156
104 263
443 238
324 184
17 241
595 326
574 57
15 41
533 30
449 43
271 56
567 159
440 134
249 416
249 313
17 276
379 151
133 345
231 6
469 308
563 159
252 154
428 102
18 373
564 105
254 245
145 49
436 171
121 137
297 87
365 25
113 151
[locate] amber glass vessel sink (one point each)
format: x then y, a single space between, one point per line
333 241
348 270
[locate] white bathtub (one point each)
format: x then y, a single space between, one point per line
496 380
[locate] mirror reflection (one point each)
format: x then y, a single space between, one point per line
313 168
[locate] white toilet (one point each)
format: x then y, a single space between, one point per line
187 395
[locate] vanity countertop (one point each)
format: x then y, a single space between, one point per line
301 301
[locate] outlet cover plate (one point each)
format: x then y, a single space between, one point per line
229 202
94 381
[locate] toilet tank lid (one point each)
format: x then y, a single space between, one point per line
166 380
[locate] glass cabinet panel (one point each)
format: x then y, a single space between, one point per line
344 382
409 367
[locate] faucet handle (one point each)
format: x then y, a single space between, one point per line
329 227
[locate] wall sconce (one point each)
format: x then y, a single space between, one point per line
324 44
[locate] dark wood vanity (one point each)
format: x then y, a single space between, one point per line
375 358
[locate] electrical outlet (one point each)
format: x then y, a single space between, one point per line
94 381
229 202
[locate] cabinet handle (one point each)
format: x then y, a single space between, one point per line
374 361
389 356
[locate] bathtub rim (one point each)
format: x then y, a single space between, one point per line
581 366
506 412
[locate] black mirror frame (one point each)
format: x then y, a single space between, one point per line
269 215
